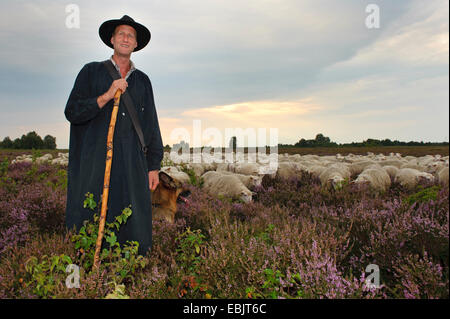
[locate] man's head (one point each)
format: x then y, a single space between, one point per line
124 39
123 32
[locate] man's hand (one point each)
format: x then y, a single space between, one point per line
120 84
153 180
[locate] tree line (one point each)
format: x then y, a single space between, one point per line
29 141
324 141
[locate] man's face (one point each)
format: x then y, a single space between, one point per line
124 39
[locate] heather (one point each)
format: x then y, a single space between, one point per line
296 239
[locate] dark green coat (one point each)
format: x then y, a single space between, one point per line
87 152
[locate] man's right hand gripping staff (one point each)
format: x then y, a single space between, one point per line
80 107
120 84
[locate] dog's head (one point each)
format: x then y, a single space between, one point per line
167 194
168 182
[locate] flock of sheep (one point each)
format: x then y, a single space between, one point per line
378 171
236 179
62 159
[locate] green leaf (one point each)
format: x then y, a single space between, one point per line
67 259
111 239
105 253
55 261
84 242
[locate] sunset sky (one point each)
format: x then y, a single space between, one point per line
303 67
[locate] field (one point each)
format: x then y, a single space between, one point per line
297 239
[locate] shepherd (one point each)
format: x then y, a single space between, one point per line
137 143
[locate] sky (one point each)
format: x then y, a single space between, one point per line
351 70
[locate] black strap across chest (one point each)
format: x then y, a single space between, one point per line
128 104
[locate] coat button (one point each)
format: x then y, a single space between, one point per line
123 114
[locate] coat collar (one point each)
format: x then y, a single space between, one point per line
132 67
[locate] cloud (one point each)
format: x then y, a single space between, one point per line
286 116
418 39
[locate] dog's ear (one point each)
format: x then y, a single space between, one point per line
167 181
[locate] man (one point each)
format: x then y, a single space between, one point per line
88 109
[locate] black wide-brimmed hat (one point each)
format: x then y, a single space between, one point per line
107 28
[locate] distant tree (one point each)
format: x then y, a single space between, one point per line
322 140
32 140
17 144
50 142
7 143
302 143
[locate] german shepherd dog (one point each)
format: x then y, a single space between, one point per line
165 197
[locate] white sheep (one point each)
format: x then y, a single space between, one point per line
225 167
250 181
391 170
169 169
434 167
414 165
335 175
392 162
247 168
356 168
227 185
289 169
316 170
180 176
198 168
377 178
443 176
410 177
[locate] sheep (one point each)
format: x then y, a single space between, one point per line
316 170
288 169
250 181
391 170
175 174
198 168
443 176
377 178
434 167
60 161
228 185
22 158
374 166
392 162
247 168
413 165
335 175
43 159
169 169
410 178
425 160
225 167
356 168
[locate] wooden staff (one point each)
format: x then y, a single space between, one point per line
109 156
